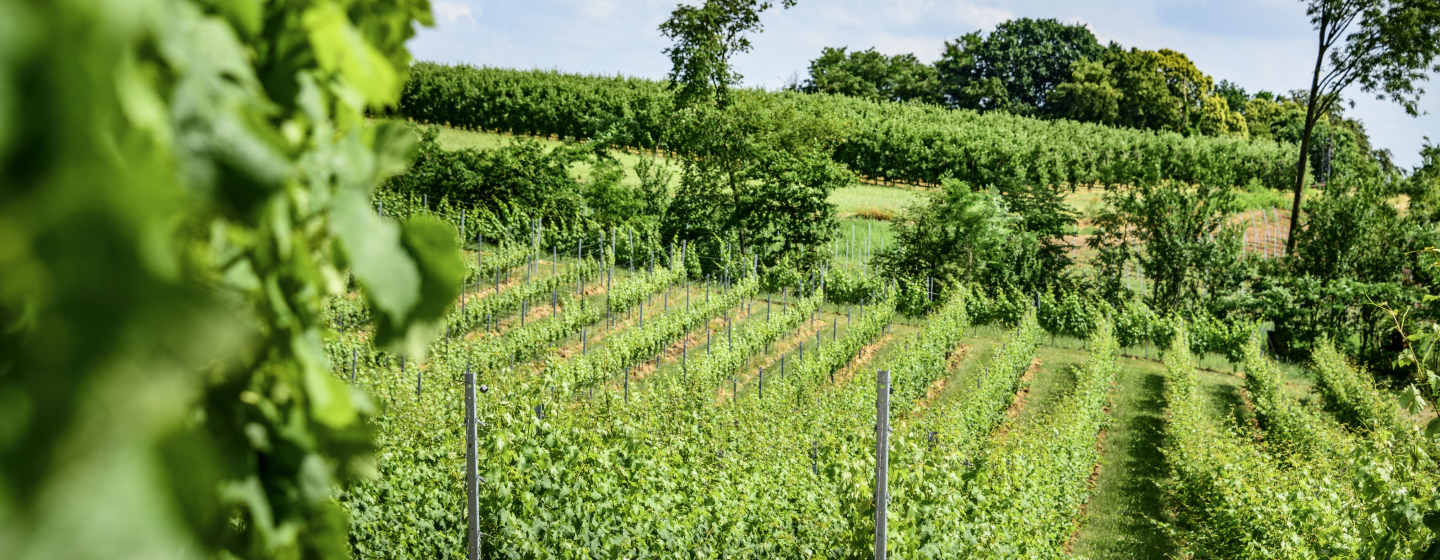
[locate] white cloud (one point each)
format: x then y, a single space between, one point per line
978 17
452 11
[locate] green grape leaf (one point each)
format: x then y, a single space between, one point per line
1432 428
394 144
1411 400
330 398
435 248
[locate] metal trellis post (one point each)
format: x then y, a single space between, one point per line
882 458
472 486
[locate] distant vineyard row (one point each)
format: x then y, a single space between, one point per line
899 142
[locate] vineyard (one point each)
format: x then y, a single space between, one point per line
252 308
632 410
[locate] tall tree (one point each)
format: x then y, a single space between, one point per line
1027 57
757 171
1187 84
1386 46
872 75
1234 95
1423 185
1090 96
1180 236
706 38
956 234
1149 102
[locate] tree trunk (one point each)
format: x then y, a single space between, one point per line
1299 182
1311 115
735 194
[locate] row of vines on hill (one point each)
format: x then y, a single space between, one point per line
1312 489
901 142
578 462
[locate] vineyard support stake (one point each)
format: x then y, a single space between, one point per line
472 487
882 458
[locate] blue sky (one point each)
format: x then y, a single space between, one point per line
1261 44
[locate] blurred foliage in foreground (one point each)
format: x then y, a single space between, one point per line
181 184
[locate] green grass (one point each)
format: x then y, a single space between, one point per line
1055 378
1118 522
874 199
1121 516
860 229
454 139
1128 501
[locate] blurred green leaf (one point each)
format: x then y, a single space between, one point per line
433 247
372 247
339 47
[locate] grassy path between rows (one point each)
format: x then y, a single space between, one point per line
1124 514
1121 517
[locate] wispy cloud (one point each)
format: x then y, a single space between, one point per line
452 11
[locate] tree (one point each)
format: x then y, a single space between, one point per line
1234 95
1385 46
1149 102
705 39
1264 113
1145 89
871 75
1187 84
1006 235
757 171
1180 236
955 234
1089 96
1423 185
1027 57
1216 118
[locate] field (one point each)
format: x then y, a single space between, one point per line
653 414
631 410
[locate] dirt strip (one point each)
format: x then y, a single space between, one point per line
693 339
1021 398
805 332
594 335
938 387
864 357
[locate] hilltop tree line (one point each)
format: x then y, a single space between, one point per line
1045 68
